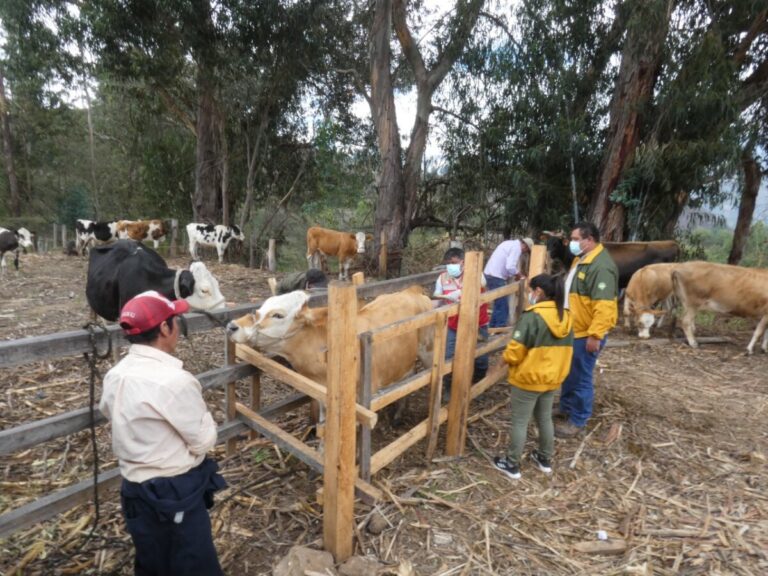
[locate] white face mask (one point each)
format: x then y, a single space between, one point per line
531 298
575 247
454 270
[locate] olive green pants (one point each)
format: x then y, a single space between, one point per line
525 404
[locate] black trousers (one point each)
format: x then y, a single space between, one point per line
168 542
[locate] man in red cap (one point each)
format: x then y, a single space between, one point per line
161 432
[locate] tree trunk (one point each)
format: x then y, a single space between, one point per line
252 155
680 200
91 147
207 169
752 177
640 65
14 204
224 172
390 215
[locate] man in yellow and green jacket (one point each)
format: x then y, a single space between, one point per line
592 289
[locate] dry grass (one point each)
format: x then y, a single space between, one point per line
673 468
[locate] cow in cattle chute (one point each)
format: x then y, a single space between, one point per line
285 326
722 288
341 245
648 287
118 272
212 235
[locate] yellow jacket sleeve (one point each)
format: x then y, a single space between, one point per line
514 353
605 314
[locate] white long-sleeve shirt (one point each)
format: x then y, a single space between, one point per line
160 424
504 260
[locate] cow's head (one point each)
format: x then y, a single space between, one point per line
26 238
205 293
237 234
279 318
360 238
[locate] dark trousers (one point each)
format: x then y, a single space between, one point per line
173 539
481 362
500 314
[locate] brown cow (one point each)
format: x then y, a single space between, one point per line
141 230
285 326
342 245
648 286
722 288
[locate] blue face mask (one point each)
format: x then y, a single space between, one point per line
574 247
454 270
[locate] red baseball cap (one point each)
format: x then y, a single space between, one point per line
148 310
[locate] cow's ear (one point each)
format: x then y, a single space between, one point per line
369 237
186 284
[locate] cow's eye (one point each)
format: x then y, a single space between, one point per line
278 315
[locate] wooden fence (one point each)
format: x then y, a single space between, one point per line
345 405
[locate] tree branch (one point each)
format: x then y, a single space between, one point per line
462 23
410 49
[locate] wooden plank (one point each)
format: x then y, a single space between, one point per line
464 358
538 261
339 475
504 291
272 255
79 493
285 405
74 342
301 383
393 450
39 431
364 397
358 279
383 333
395 392
256 398
383 255
230 398
436 383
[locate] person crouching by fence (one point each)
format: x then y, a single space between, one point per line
539 358
161 432
448 287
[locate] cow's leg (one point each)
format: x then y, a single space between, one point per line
765 339
156 243
347 263
756 335
689 315
192 249
627 313
220 251
2 264
310 260
16 259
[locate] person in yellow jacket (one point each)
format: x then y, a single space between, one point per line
539 358
592 287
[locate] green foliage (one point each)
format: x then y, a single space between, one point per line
714 245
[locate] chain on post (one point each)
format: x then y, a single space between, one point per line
92 358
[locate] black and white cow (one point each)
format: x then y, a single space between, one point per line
12 241
117 272
212 235
90 233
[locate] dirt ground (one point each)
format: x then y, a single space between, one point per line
674 464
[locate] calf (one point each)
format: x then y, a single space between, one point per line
341 245
722 288
648 286
141 230
119 271
89 233
13 241
209 235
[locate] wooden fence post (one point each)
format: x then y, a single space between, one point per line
271 256
172 250
63 236
255 398
436 382
340 473
464 358
55 231
231 392
383 255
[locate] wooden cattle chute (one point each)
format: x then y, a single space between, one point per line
344 474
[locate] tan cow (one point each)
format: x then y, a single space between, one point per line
648 287
141 230
285 326
722 288
341 245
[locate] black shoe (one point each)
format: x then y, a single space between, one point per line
511 470
542 463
